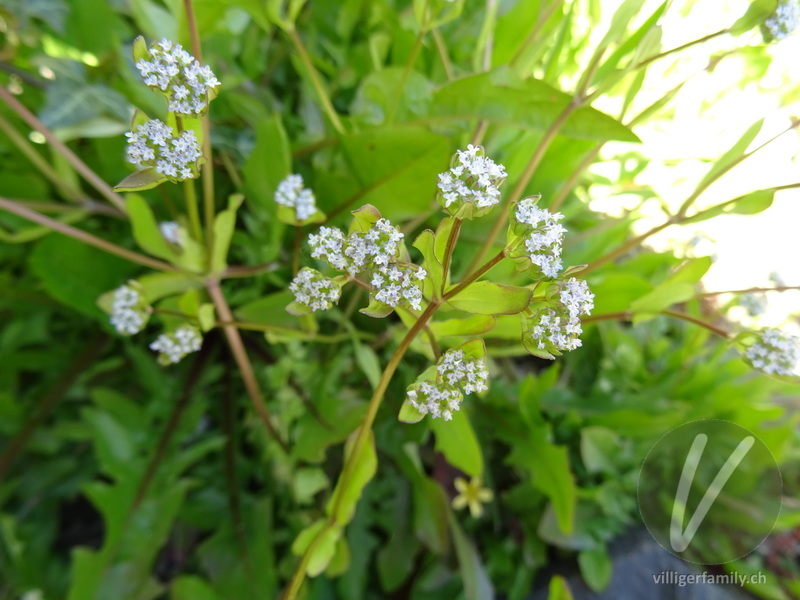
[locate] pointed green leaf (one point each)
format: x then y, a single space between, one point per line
486 298
224 226
348 491
457 441
364 218
409 414
141 180
595 568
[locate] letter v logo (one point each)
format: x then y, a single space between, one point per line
679 538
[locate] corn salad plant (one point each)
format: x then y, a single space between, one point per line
384 301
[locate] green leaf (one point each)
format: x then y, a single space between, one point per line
191 587
431 514
409 414
341 559
599 447
379 91
733 154
75 274
145 229
486 298
504 99
749 204
457 441
692 270
368 362
376 309
550 472
477 585
224 226
397 167
364 218
141 180
270 311
616 291
661 298
342 503
269 162
559 590
595 568
474 325
306 482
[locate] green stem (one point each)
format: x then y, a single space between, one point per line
90 176
752 290
525 179
86 238
327 107
696 321
372 410
190 197
442 48
243 361
448 252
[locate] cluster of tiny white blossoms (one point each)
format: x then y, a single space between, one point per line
441 398
171 232
472 179
399 285
128 312
312 289
153 145
785 20
172 347
545 236
291 193
776 353
359 251
177 73
558 327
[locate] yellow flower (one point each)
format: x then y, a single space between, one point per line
471 494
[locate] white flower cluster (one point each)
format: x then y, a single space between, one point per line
776 353
359 251
172 347
472 179
291 193
558 327
312 289
785 20
441 398
545 238
153 145
470 373
176 72
399 285
129 312
171 232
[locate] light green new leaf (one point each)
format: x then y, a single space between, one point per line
342 503
145 229
364 218
474 325
596 568
224 226
409 414
733 154
661 298
457 441
487 298
368 362
141 180
559 590
692 270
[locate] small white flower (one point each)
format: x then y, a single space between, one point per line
399 285
172 347
312 289
543 243
129 311
776 353
438 401
469 373
785 20
171 232
558 326
173 70
291 193
328 245
359 251
472 179
153 145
